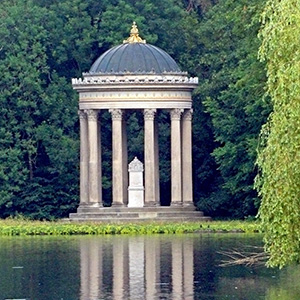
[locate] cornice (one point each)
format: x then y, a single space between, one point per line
133 80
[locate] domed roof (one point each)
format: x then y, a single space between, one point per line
136 57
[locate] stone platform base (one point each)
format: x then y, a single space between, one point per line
138 214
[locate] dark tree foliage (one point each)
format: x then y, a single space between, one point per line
232 85
43 44
39 140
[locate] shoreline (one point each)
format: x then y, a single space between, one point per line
15 227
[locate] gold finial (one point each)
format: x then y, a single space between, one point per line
134 35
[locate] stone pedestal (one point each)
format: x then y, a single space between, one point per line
136 187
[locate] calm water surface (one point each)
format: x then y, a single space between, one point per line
137 267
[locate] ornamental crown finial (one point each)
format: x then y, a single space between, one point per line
134 35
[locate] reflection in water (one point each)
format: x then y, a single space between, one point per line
91 268
136 268
170 267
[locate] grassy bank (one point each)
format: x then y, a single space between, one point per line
14 227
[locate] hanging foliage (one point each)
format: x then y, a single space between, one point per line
279 156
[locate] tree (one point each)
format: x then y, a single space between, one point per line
279 157
39 140
231 89
24 69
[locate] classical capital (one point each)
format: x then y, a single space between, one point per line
187 115
82 115
176 113
116 114
92 114
149 113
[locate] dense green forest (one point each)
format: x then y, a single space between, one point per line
45 43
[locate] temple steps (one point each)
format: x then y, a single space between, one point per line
137 214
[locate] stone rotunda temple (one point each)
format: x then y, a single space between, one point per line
135 76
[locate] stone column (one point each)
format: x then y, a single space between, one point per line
94 181
187 178
150 161
125 160
156 156
84 159
176 178
99 161
117 158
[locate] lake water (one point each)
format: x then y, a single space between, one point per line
137 267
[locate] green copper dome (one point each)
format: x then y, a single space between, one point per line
134 56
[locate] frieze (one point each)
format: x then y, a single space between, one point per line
167 95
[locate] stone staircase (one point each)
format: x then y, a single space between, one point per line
138 214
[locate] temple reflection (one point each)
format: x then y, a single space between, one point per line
136 267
